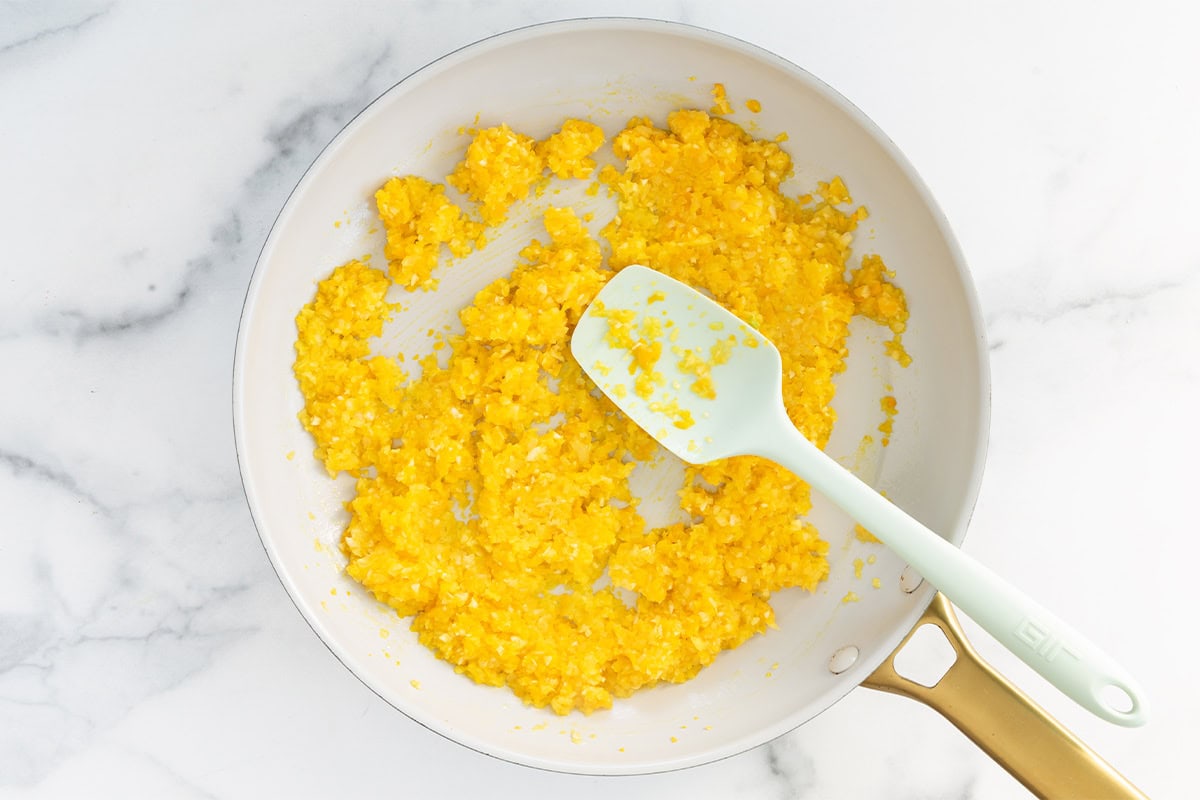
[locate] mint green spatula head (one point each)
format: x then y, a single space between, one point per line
707 386
713 376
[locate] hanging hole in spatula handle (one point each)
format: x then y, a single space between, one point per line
1117 700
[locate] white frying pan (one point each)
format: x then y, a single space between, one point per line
608 70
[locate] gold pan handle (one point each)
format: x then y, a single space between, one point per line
1006 724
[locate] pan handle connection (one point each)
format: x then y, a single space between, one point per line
1006 724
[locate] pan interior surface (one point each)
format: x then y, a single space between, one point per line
608 71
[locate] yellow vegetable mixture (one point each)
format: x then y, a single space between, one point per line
493 492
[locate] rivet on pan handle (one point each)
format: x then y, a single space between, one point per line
1006 724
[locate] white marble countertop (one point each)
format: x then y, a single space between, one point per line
147 648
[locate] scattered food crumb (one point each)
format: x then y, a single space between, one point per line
864 535
720 100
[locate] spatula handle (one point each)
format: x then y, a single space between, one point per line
1047 644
